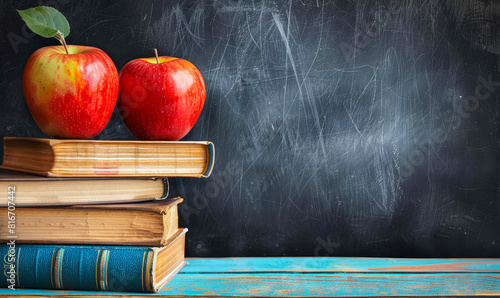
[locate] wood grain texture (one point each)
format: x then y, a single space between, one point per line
331 264
340 284
318 277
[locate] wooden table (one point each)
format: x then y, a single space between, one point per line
323 276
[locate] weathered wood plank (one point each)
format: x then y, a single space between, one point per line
309 284
334 264
341 284
321 277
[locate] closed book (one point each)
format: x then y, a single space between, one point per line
151 223
100 268
95 158
24 189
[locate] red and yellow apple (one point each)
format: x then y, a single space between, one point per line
70 95
160 98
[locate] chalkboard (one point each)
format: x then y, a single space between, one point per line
342 128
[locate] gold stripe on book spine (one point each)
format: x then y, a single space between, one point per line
97 269
142 271
58 268
149 270
103 270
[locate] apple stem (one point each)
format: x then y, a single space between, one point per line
60 37
156 55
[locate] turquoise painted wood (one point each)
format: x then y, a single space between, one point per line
332 264
324 276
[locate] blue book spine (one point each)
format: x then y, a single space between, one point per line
120 268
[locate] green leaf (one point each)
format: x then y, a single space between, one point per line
45 21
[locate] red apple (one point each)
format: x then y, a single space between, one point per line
161 97
70 95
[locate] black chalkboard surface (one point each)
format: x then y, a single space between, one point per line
342 128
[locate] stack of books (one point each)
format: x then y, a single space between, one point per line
94 215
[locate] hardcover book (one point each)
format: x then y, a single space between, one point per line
143 224
34 190
100 268
94 158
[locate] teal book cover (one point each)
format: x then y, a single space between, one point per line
99 268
